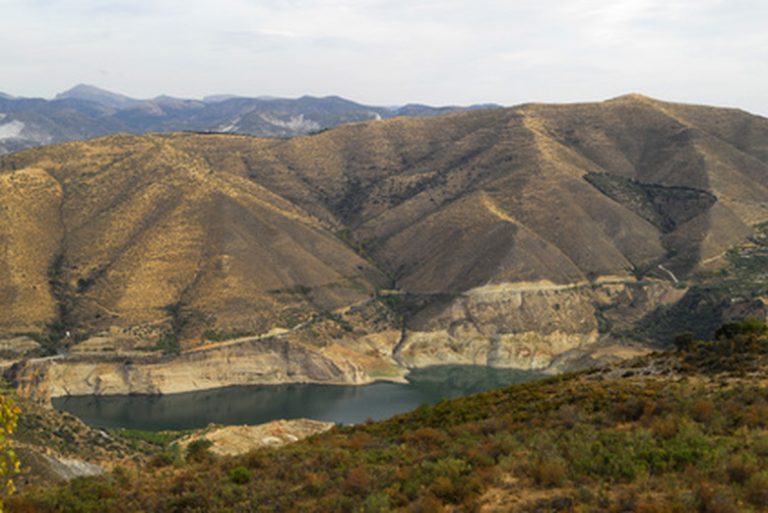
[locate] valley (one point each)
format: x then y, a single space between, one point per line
334 256
175 281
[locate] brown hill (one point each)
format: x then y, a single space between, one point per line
508 221
133 232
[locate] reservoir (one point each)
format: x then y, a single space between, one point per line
256 404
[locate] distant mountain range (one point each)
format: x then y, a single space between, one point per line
86 111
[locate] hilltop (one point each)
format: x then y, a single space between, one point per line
507 237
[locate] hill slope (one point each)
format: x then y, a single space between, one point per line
507 236
683 432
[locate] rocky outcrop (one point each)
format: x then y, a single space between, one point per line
233 440
39 467
526 325
259 361
249 361
513 325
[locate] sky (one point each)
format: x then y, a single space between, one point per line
391 52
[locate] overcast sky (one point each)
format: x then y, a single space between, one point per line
390 52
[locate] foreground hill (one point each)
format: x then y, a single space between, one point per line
502 236
674 432
86 111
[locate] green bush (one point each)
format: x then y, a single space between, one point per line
166 457
748 326
377 503
240 475
199 450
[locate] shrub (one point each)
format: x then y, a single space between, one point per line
199 450
665 427
748 326
755 415
633 409
549 471
452 468
426 437
240 475
651 505
122 476
444 488
377 503
760 444
606 455
739 469
316 481
447 477
9 463
716 500
684 341
170 456
427 504
357 482
756 490
703 410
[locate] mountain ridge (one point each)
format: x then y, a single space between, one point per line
86 111
95 94
517 237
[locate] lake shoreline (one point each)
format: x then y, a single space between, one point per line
257 404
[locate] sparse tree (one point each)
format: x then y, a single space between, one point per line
9 463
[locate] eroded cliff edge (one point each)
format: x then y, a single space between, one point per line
515 325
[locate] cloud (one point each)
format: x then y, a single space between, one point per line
393 51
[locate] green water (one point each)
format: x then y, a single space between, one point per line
262 403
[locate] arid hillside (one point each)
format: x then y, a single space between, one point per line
679 431
483 231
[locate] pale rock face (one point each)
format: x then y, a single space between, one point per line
512 325
70 468
260 361
528 350
234 440
525 325
504 325
295 123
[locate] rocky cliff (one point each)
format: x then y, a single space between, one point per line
522 325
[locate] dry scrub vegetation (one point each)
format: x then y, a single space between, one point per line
675 432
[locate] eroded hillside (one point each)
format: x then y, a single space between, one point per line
500 236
